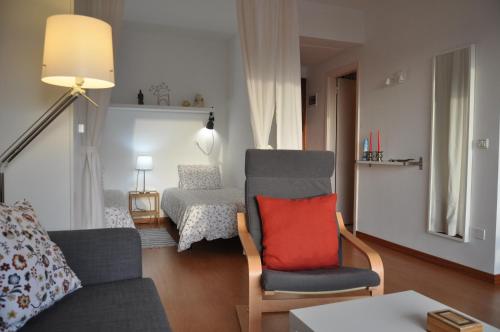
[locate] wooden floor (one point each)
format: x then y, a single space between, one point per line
200 287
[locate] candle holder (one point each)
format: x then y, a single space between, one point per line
369 155
378 155
365 156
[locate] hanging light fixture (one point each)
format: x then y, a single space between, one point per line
211 120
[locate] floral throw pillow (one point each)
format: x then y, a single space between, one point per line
33 271
195 177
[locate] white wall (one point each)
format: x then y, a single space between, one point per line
406 35
189 62
497 245
42 173
240 136
323 20
170 138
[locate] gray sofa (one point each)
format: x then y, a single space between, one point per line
114 296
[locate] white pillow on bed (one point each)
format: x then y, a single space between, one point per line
194 177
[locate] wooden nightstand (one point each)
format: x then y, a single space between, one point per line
144 216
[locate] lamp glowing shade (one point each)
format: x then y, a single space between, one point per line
78 50
144 163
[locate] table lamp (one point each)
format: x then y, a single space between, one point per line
78 53
144 163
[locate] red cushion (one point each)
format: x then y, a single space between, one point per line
299 234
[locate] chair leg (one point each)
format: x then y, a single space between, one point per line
377 291
254 316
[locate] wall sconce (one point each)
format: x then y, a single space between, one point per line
208 131
396 78
211 120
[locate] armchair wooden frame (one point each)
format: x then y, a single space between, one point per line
260 301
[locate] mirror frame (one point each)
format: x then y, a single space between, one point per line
466 238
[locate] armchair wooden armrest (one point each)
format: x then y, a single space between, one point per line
253 255
250 320
373 257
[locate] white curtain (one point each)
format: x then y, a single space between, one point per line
270 47
450 143
89 198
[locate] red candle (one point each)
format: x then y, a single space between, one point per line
378 141
370 141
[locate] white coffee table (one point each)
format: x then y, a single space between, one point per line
405 311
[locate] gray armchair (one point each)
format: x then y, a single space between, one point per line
114 296
295 174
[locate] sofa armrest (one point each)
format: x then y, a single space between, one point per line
101 255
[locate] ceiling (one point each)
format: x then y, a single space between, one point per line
208 15
314 50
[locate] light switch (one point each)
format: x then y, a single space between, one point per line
483 143
81 128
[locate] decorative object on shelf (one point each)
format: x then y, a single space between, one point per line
378 140
140 98
370 148
379 153
162 93
199 101
144 163
186 103
78 54
365 149
368 153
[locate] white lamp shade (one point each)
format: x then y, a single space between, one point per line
78 49
144 163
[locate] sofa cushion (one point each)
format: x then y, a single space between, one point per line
33 270
323 280
128 305
101 255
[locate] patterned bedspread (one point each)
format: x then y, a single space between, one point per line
203 214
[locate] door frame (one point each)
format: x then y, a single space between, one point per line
331 77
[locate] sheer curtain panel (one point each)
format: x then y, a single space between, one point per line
88 191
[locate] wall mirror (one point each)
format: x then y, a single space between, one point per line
451 143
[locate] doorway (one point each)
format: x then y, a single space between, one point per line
341 137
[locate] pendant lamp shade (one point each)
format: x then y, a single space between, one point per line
78 50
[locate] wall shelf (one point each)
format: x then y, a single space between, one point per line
418 163
161 108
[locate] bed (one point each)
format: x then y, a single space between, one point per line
116 214
201 208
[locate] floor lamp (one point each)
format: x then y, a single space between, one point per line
78 53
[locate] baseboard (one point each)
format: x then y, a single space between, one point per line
492 278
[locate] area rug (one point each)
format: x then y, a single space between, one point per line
156 238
